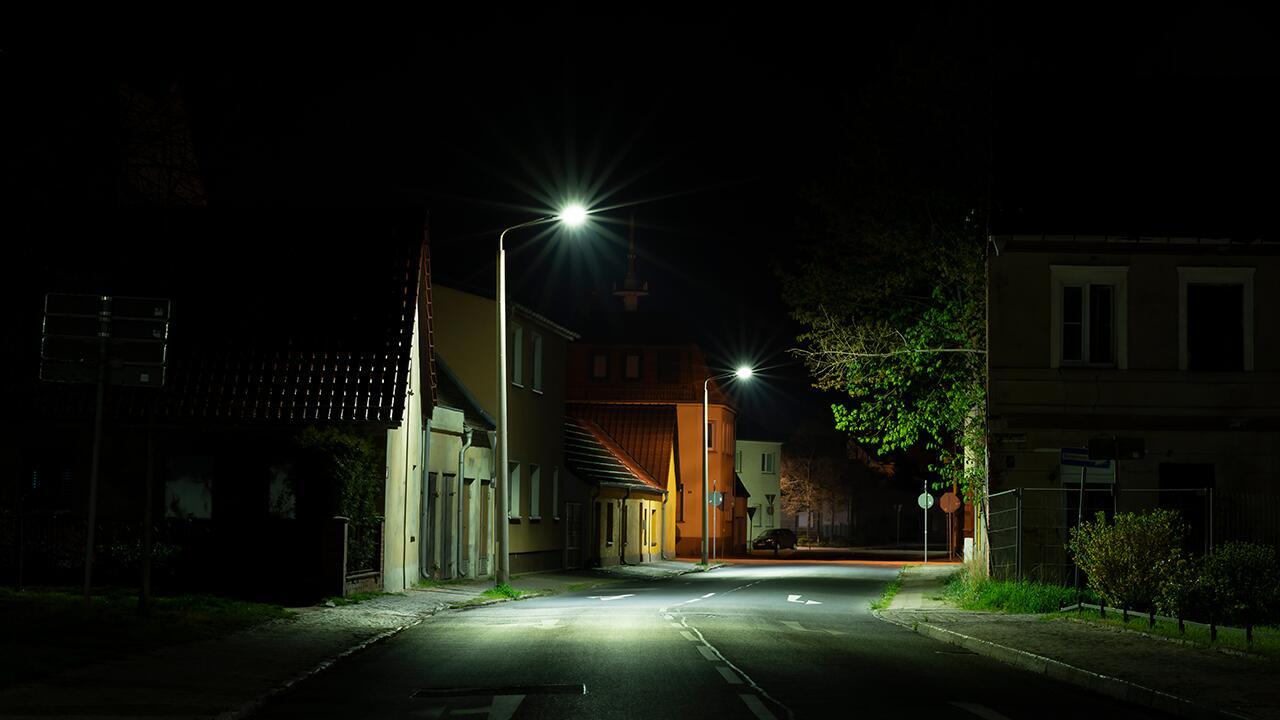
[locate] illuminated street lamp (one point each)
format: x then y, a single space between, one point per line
742 373
572 216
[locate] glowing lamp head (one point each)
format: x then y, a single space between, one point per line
573 215
743 373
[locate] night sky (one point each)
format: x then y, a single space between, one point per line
707 126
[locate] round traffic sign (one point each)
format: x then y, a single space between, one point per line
717 498
950 503
925 500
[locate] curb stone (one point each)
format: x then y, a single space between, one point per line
1057 670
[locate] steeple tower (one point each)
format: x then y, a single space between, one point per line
632 289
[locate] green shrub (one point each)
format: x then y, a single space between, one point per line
1241 582
1128 561
1183 593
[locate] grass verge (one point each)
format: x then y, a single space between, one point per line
352 599
972 591
1266 640
43 632
890 591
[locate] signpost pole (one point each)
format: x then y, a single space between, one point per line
93 474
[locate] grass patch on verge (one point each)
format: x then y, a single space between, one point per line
971 591
504 591
43 632
352 599
890 591
1266 640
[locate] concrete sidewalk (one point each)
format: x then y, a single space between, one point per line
232 676
1171 677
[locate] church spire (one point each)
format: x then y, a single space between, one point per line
632 289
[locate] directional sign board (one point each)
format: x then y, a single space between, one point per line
1075 461
925 501
81 331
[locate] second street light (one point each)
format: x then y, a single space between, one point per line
742 373
572 216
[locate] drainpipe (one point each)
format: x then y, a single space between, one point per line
424 508
462 465
622 542
662 540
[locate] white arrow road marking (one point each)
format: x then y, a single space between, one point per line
607 598
982 712
796 599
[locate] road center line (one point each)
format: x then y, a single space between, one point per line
746 677
729 676
757 708
688 635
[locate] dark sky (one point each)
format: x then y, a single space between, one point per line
707 125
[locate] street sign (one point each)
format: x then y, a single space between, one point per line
118 340
1075 463
950 503
925 501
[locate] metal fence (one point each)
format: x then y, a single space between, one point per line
1028 528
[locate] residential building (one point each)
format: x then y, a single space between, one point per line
638 377
544 501
1145 367
758 465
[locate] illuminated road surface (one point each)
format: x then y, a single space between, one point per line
760 640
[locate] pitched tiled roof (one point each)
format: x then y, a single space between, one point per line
594 457
280 321
646 432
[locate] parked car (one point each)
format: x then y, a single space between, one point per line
775 539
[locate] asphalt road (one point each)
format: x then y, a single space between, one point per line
766 639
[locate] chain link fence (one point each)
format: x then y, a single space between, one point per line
1028 528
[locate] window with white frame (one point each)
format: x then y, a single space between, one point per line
535 492
517 355
1089 316
767 462
513 490
1215 318
537 362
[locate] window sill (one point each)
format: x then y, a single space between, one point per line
516 384
535 518
513 520
538 390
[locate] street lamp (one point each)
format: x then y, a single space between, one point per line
742 373
572 216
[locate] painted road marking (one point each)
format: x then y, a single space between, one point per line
688 636
708 653
729 676
835 632
745 677
676 625
607 598
979 710
707 595
756 707
550 622
796 599
794 625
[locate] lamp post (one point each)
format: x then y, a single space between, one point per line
741 373
572 216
